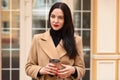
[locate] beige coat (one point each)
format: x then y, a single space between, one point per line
43 49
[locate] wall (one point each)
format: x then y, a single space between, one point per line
105 43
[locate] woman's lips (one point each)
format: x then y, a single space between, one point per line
55 25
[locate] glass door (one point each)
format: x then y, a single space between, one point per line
10 28
82 23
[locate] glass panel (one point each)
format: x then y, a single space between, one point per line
15 4
5 29
15 19
77 4
5 40
86 39
37 31
86 20
50 3
78 32
39 4
87 59
5 4
5 26
15 38
5 19
77 20
5 59
15 74
39 19
5 75
86 4
87 75
10 24
15 59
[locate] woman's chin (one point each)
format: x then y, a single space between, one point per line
56 29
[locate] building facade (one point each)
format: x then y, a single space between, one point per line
97 21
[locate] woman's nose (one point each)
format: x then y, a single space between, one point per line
56 20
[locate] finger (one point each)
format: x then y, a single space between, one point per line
63 65
63 70
43 70
48 71
52 70
51 65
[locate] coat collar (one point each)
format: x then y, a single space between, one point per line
49 48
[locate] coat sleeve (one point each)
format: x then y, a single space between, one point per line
31 66
79 60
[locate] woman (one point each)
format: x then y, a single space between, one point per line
60 43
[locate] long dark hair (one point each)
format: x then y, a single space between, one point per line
67 29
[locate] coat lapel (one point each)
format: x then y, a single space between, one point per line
60 49
49 48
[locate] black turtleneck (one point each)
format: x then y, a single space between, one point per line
56 36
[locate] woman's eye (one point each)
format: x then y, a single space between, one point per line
61 17
52 16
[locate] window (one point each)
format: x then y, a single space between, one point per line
82 19
4 4
10 39
5 26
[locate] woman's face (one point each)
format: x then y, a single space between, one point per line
57 19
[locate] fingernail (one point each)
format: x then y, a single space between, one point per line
56 73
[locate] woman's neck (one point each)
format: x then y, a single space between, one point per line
56 35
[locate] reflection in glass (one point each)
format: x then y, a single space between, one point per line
39 19
15 74
15 4
5 40
77 20
5 75
5 19
86 20
41 4
5 26
37 31
77 4
15 59
5 4
51 2
5 59
86 4
86 39
87 59
15 38
15 19
87 75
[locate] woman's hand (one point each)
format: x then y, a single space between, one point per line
50 69
66 71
